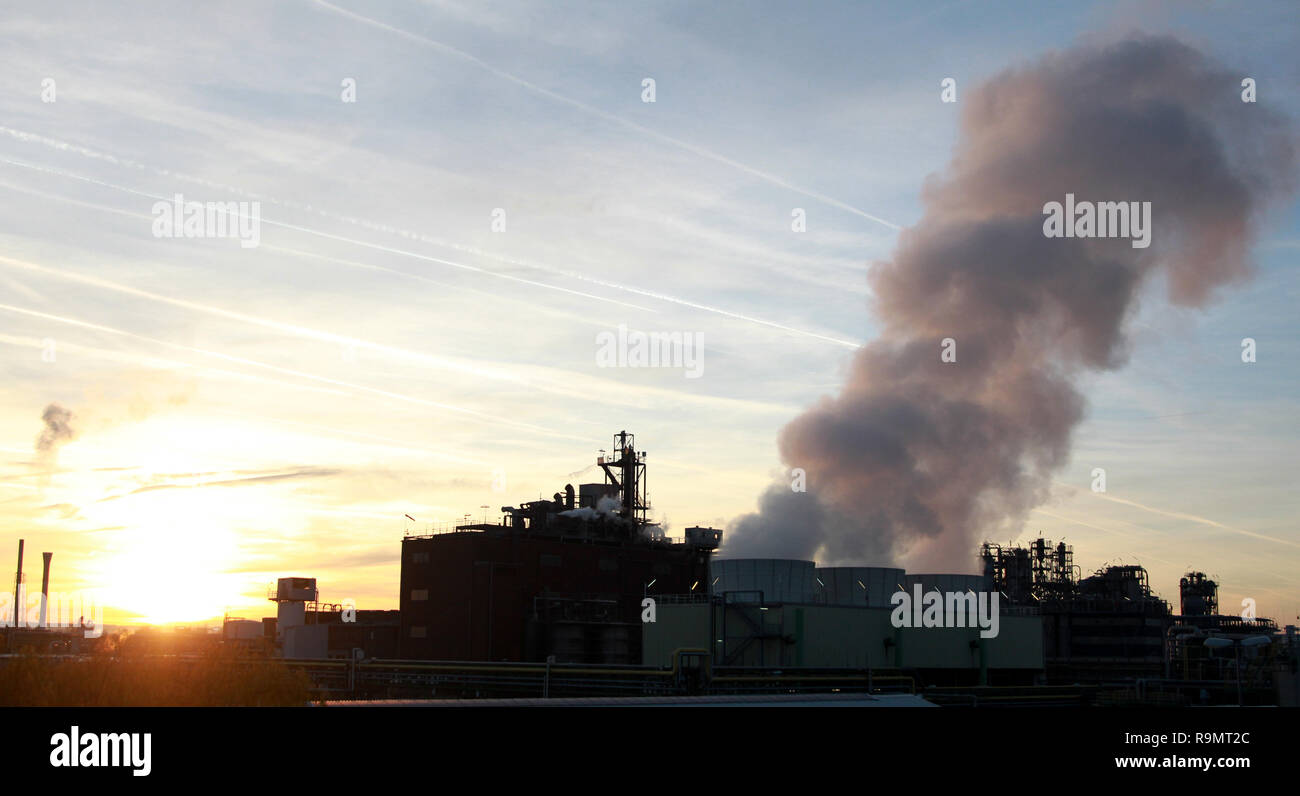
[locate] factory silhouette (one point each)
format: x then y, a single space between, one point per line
583 596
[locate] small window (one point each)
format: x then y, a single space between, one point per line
419 594
549 560
419 558
417 631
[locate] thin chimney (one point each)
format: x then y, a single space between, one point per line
45 586
18 585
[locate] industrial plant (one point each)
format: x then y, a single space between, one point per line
582 595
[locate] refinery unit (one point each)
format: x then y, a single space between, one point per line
562 578
562 583
305 628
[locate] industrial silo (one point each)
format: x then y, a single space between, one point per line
870 586
778 579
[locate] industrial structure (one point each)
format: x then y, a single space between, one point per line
1110 627
565 581
41 632
1107 625
306 628
791 614
584 595
562 579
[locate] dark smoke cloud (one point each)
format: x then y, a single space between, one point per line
58 430
917 458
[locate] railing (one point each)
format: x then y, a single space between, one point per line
675 599
443 528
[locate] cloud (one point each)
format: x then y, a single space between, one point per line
200 480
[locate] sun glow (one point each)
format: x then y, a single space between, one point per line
176 551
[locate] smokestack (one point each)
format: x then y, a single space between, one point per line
953 421
18 584
45 586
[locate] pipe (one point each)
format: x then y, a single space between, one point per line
45 587
18 584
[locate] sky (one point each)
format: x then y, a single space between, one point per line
458 199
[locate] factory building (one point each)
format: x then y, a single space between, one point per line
561 578
1207 645
566 580
781 613
1103 627
305 628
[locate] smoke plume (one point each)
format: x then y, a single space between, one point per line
918 458
58 430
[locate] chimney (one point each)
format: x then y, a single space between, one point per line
18 585
45 586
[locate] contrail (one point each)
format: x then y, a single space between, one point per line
609 117
1074 521
287 328
289 371
167 364
109 158
1194 518
300 253
318 233
586 320
552 386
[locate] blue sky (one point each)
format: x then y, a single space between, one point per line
384 352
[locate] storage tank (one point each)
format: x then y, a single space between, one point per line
947 582
871 586
242 630
779 579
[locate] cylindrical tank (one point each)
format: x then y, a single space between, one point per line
871 586
947 582
779 579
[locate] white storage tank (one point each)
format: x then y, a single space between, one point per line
779 579
872 586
